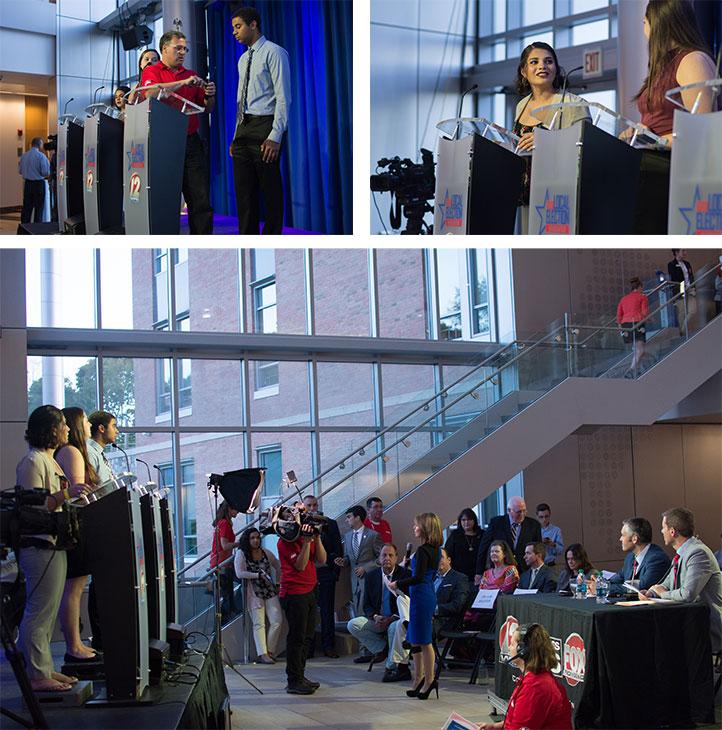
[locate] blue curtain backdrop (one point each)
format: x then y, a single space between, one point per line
317 156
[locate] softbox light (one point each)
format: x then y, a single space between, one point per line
242 488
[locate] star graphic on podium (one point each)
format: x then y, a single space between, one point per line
692 209
540 209
130 154
442 208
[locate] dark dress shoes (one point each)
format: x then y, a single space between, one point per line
400 674
331 654
363 659
70 659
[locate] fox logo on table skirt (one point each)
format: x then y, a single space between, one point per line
505 634
575 659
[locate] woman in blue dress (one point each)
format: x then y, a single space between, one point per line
424 564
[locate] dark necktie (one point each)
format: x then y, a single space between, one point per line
675 566
244 91
634 568
355 546
515 533
386 600
107 463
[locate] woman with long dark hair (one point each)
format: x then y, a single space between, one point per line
577 559
254 564
539 79
424 564
73 460
539 700
223 544
463 543
149 57
41 559
678 56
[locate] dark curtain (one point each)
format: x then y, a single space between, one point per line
316 162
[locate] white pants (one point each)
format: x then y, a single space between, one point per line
270 607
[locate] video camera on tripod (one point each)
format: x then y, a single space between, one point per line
412 184
22 512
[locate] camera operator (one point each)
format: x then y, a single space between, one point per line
41 559
298 600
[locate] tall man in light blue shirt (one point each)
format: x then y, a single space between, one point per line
264 95
34 167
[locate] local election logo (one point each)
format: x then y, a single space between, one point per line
452 210
134 187
505 633
704 215
136 156
574 659
90 157
553 214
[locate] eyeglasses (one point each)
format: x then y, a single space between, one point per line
180 49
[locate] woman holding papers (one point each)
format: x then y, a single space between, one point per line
424 564
539 700
539 79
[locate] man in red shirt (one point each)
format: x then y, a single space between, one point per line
170 74
375 509
298 600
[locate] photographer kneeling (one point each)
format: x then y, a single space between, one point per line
298 600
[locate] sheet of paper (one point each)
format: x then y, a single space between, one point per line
457 722
525 591
608 574
485 598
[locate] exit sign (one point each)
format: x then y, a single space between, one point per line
592 63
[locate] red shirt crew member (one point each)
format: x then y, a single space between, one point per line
374 522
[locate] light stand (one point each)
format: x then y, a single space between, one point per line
214 485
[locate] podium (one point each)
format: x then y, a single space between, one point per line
154 143
169 556
103 170
695 181
478 178
70 170
114 529
155 563
585 179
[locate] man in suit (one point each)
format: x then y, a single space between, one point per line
327 575
516 528
694 574
539 575
645 562
375 629
452 597
362 548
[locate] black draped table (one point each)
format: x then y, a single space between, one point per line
644 666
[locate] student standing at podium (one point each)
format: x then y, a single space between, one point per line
538 79
170 74
264 95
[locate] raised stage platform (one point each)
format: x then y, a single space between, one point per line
194 696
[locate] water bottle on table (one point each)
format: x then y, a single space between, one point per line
602 588
581 585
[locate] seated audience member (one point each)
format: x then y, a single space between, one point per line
551 534
375 629
539 575
539 700
694 574
501 573
462 544
645 562
374 521
452 594
577 559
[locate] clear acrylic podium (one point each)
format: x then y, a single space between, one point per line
695 182
69 168
154 144
103 170
584 179
478 178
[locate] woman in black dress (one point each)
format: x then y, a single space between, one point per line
462 545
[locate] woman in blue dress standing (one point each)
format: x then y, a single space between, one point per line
424 564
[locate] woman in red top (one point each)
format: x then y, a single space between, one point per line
224 535
539 701
678 56
633 309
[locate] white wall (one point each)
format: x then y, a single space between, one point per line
12 118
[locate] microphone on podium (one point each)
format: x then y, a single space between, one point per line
461 103
127 460
564 90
